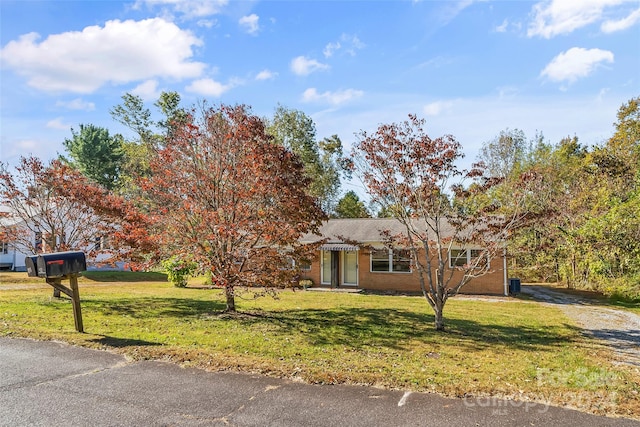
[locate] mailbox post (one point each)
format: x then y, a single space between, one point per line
59 266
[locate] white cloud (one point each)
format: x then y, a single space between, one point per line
303 66
611 26
333 98
555 17
451 9
348 42
507 92
15 149
58 124
118 53
266 75
77 104
210 87
147 90
502 28
437 108
206 23
330 48
575 63
352 43
188 8
250 23
28 145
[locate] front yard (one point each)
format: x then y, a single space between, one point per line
508 348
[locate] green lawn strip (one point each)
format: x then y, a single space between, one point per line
87 277
633 307
511 349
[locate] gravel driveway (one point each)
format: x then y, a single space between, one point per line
619 329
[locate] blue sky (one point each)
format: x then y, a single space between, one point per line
470 68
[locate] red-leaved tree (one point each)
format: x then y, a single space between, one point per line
222 194
218 193
415 179
39 217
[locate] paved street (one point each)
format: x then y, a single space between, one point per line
54 384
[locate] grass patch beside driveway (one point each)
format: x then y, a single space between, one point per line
516 349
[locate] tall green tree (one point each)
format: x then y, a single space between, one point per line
296 131
150 134
350 206
96 154
504 153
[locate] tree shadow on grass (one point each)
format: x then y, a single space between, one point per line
123 342
124 276
145 307
350 327
394 328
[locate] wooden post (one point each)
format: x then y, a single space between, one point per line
75 298
73 293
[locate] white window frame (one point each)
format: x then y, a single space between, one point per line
390 258
468 257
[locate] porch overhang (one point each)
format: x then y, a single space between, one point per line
339 247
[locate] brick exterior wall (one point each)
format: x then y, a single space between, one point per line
491 283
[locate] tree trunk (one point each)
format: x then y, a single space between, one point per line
231 300
439 319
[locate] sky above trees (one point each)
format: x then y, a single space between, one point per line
471 68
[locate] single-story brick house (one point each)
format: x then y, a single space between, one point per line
354 255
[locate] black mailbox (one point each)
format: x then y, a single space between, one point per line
58 264
31 262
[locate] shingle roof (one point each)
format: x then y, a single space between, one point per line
363 230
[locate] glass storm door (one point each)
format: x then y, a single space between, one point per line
350 268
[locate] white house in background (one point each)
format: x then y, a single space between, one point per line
13 253
10 257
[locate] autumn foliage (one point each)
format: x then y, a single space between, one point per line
222 194
42 216
415 179
218 193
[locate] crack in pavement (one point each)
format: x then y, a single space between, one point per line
51 380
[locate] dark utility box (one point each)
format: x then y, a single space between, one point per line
57 264
514 286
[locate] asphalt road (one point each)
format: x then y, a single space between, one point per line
54 384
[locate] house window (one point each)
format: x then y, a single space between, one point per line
390 261
472 258
4 247
101 243
305 266
458 258
401 261
380 260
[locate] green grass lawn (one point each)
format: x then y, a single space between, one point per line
509 348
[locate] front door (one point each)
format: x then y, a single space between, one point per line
350 268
